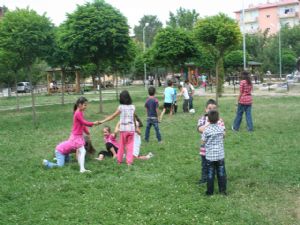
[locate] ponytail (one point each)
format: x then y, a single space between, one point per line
80 100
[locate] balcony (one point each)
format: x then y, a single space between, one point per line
250 19
289 15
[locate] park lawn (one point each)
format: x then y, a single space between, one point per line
262 167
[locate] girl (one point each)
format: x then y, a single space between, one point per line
111 144
127 128
76 141
244 103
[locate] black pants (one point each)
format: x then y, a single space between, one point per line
219 168
108 152
185 105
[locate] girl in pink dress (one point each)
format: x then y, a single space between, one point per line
76 141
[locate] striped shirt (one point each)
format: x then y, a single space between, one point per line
127 117
245 91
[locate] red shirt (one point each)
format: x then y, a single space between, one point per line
79 124
245 91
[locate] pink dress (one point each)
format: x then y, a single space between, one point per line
76 139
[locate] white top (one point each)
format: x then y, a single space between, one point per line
185 93
127 117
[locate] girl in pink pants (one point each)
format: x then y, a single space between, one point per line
127 127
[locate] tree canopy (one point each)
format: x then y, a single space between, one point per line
184 19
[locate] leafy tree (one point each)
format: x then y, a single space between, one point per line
290 38
96 32
173 47
184 19
255 44
288 61
27 36
234 59
219 34
154 25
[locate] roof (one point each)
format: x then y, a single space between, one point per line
253 63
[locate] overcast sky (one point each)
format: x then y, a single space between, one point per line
133 9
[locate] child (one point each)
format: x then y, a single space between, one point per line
183 91
168 99
202 124
213 138
174 106
111 144
152 114
127 128
76 141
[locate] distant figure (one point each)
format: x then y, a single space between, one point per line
184 92
168 99
191 90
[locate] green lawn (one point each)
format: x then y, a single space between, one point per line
263 171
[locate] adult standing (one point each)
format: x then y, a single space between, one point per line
244 103
191 91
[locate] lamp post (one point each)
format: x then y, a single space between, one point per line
244 36
144 49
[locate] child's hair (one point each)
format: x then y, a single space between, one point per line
186 81
245 76
151 91
89 146
211 102
107 128
169 83
213 116
125 98
179 86
80 100
136 118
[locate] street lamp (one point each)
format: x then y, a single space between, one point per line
144 45
279 49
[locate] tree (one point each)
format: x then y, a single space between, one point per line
173 47
154 25
27 36
96 32
184 19
218 34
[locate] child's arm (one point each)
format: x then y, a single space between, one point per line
138 130
113 152
111 117
201 129
117 128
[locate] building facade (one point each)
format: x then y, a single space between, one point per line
270 16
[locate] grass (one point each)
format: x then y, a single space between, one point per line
262 167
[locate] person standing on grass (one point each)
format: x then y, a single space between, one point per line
183 92
151 106
76 140
168 99
213 139
244 103
127 127
191 91
201 126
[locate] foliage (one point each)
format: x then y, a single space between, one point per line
154 25
173 47
162 190
234 59
184 19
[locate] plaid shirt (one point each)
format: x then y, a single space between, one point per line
127 117
204 121
213 136
245 90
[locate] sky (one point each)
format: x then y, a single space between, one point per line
133 9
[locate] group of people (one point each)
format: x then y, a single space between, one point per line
210 126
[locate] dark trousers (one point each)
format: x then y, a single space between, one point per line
219 168
191 106
152 122
185 105
108 153
175 107
203 169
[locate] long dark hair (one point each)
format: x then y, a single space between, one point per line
125 98
80 100
245 76
136 118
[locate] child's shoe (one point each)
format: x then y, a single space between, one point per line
45 162
149 155
85 171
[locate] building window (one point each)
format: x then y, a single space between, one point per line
268 16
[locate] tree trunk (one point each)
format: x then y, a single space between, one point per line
63 86
100 90
117 88
34 119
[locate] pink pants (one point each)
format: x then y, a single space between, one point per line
126 140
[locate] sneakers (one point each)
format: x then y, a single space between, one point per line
85 171
45 162
232 128
149 155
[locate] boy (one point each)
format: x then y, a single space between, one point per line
213 138
152 114
184 92
202 124
168 99
191 91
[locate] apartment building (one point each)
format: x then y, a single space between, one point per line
270 16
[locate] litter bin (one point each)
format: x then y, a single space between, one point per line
6 92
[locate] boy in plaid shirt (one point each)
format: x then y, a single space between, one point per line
202 124
213 138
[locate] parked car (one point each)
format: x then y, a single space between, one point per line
23 87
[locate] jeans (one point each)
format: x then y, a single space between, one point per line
219 168
191 102
239 116
61 160
154 122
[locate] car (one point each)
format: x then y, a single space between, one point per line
23 87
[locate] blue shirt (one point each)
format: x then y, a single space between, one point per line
151 106
169 94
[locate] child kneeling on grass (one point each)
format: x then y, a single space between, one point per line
213 138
